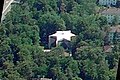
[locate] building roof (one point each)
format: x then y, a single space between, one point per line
7 3
46 50
63 35
115 29
66 54
111 11
107 48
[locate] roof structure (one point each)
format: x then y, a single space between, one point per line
61 35
107 48
111 11
115 29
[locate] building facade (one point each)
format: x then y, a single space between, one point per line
107 2
111 14
114 33
7 7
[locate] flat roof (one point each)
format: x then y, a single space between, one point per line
63 35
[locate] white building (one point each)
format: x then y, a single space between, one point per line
7 7
107 2
111 14
61 35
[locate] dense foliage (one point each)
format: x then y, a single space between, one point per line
25 31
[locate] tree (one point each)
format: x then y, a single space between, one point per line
24 34
73 65
9 72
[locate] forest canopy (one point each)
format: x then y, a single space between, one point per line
24 34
